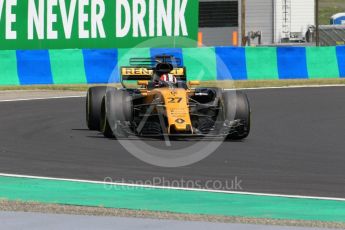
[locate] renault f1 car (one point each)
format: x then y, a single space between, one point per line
158 108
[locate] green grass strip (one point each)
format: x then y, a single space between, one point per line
262 63
67 66
176 201
322 62
8 65
200 63
222 84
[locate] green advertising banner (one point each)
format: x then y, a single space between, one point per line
61 24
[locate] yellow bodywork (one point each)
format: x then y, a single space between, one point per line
176 108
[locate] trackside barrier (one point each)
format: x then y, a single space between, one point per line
87 66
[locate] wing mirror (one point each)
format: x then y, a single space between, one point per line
194 83
143 83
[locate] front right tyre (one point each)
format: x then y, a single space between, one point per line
116 113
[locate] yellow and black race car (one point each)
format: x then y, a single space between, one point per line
167 105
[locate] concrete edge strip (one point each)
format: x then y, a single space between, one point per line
172 188
292 87
39 98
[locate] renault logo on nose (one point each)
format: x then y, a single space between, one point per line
180 121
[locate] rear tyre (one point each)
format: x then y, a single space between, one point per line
104 123
93 106
237 107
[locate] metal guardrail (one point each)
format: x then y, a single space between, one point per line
332 35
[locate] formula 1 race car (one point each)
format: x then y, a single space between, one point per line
165 106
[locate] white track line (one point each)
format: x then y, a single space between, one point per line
172 188
258 88
39 98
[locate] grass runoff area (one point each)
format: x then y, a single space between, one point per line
221 84
17 192
328 8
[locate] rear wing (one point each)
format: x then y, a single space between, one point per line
153 61
146 73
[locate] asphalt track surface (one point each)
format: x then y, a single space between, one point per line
296 146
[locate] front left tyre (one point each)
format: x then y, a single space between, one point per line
236 107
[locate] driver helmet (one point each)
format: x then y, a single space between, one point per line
168 78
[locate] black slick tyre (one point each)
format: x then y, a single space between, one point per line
93 106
